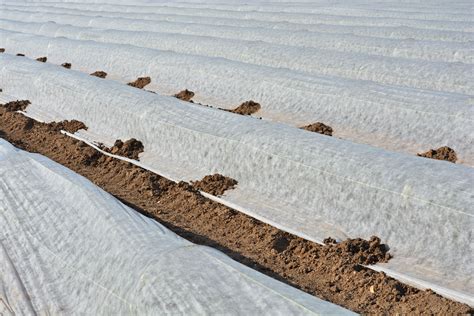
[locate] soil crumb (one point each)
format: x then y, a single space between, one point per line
442 153
140 83
318 127
18 105
130 148
42 59
19 54
66 65
215 184
2 50
99 74
246 108
333 272
185 95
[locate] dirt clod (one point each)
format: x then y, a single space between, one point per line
442 153
319 127
281 242
140 83
185 95
360 251
215 184
66 65
99 74
42 59
91 157
18 105
130 148
68 126
329 241
246 108
29 124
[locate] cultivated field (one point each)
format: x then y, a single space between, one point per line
326 148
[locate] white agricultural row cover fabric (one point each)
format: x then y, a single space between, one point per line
67 247
394 118
306 17
303 40
450 77
306 183
437 5
325 7
396 32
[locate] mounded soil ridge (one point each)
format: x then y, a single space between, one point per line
333 271
71 126
68 126
319 127
99 74
18 105
130 148
246 108
215 184
140 83
361 251
443 153
185 95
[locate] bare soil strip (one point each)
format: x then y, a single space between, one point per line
333 271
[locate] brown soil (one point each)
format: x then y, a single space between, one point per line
2 50
140 83
100 74
68 126
246 108
18 105
360 250
42 59
67 65
20 54
332 272
130 149
319 127
185 95
215 184
442 153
